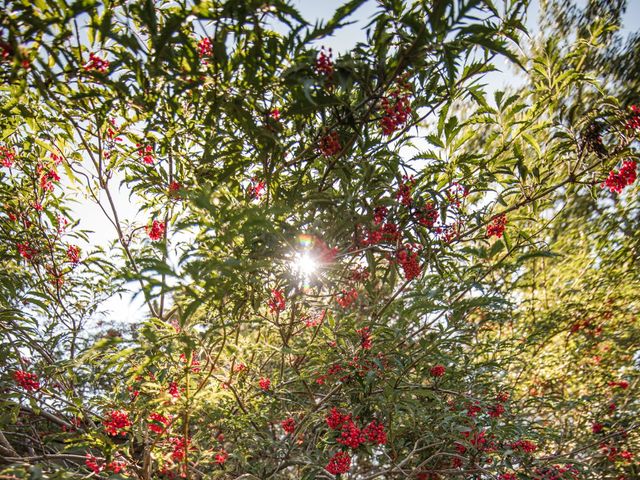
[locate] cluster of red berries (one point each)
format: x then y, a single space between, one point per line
145 153
28 381
359 274
112 131
379 214
180 446
396 110
97 64
275 114
617 181
7 157
498 408
277 302
161 423
173 390
324 62
525 446
174 188
365 338
329 145
437 371
194 365
456 194
409 261
47 178
347 297
339 463
73 254
98 466
256 189
478 440
26 251
288 425
497 225
613 453
428 215
634 121
205 49
404 192
116 421
265 383
155 230
221 457
389 232
350 435
623 384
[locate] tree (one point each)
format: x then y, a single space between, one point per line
353 266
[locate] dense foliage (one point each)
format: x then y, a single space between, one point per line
361 264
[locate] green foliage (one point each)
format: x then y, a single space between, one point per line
224 150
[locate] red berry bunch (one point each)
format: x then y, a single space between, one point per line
437 370
617 181
73 254
288 425
404 194
346 298
173 389
374 433
145 153
339 463
116 421
496 226
7 157
47 178
180 446
97 466
156 230
28 381
26 251
221 457
365 338
396 108
427 216
350 435
329 145
112 131
409 261
316 320
623 384
256 189
265 383
557 472
324 62
634 120
205 48
174 188
160 424
379 214
525 446
277 302
96 64
496 410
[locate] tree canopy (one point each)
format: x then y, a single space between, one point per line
353 265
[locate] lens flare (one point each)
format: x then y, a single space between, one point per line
304 263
